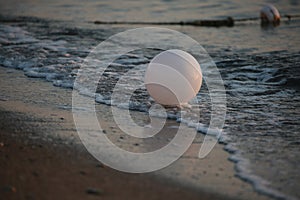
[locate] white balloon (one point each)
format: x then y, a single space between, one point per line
269 13
173 77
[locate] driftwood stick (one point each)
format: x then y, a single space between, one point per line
214 23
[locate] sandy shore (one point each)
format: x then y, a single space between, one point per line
42 157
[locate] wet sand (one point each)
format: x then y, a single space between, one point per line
43 158
43 170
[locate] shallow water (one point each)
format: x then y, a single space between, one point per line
259 67
134 10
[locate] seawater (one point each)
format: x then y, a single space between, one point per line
259 67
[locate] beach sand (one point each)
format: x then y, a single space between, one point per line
41 156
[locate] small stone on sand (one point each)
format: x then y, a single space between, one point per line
94 191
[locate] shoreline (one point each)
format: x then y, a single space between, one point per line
41 114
